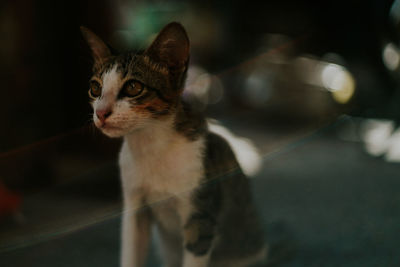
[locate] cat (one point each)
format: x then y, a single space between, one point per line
175 173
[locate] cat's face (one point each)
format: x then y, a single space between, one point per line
132 91
127 94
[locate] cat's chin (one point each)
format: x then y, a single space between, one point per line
112 132
116 132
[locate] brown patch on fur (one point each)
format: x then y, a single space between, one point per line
156 107
191 234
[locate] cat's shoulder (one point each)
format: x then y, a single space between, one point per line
190 123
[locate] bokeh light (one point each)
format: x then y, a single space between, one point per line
339 82
202 88
375 134
393 153
391 56
395 11
331 77
258 87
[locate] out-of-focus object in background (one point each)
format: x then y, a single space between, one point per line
391 56
202 88
332 77
395 12
301 87
381 139
10 203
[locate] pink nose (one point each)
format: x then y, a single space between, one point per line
103 114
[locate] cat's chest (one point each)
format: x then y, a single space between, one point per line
158 174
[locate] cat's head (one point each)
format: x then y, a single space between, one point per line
131 91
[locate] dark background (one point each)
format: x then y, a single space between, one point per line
45 64
64 170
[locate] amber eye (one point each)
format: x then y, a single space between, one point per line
132 88
95 89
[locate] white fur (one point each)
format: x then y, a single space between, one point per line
158 160
258 258
122 120
190 260
111 82
159 169
245 151
163 168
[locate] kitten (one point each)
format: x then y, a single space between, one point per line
175 174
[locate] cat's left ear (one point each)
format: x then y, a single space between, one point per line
100 50
171 47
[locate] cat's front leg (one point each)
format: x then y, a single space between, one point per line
193 260
136 228
198 235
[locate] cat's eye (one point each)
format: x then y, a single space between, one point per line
132 88
95 89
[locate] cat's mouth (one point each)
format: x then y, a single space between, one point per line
106 126
110 130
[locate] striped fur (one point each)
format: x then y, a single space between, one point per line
175 173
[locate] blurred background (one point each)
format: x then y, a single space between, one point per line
314 85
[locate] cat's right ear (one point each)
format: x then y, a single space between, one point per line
100 50
171 47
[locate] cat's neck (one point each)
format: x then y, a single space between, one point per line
151 139
182 126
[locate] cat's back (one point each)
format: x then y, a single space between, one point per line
240 235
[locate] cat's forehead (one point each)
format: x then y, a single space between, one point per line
133 66
122 64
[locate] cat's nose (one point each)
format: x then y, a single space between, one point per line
103 114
